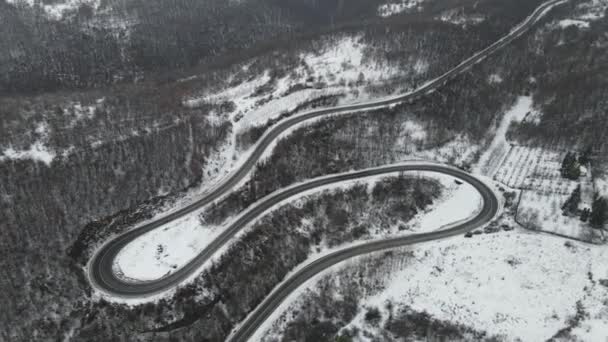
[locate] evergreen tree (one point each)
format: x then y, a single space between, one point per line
570 207
598 212
570 167
585 214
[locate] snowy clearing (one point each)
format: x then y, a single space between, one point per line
542 211
458 18
392 8
335 67
571 22
520 162
536 171
37 152
509 284
459 202
491 159
166 249
512 285
56 10
584 14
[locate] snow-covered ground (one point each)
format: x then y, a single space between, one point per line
396 7
459 202
591 10
519 164
332 68
458 18
585 13
495 79
37 151
163 251
545 193
491 159
542 211
536 171
572 22
510 284
56 9
601 185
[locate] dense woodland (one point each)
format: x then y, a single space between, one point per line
132 39
142 148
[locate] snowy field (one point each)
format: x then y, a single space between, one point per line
498 149
542 211
513 285
508 284
518 165
166 249
536 171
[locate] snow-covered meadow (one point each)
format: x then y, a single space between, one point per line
509 284
499 147
512 285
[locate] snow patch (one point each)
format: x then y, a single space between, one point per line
37 151
57 10
164 250
386 10
458 18
495 79
571 22
592 10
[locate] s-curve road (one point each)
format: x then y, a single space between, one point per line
104 279
486 214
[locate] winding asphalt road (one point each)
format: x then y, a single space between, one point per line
104 279
485 215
